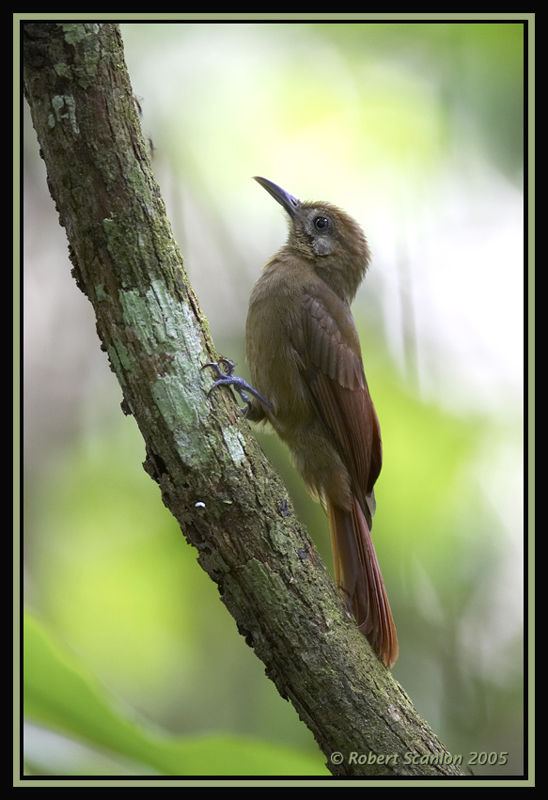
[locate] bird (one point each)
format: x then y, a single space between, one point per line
308 383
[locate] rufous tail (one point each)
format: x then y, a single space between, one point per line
359 578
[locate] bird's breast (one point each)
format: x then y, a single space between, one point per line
273 323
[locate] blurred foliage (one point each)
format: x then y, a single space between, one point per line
416 129
112 572
71 700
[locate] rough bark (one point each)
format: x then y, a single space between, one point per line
213 476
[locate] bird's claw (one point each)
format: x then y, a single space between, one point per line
238 384
220 374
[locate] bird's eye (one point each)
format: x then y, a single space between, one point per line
321 223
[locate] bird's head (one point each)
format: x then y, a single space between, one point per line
328 237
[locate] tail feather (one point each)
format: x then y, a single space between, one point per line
359 578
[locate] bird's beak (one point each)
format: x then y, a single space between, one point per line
285 199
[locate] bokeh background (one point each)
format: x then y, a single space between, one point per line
416 129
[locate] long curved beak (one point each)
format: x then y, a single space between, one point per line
285 199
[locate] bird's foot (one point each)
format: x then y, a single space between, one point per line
227 378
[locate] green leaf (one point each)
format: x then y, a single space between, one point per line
60 693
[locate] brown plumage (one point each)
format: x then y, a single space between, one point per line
306 367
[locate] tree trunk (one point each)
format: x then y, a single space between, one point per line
213 476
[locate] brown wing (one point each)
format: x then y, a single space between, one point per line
337 382
331 355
